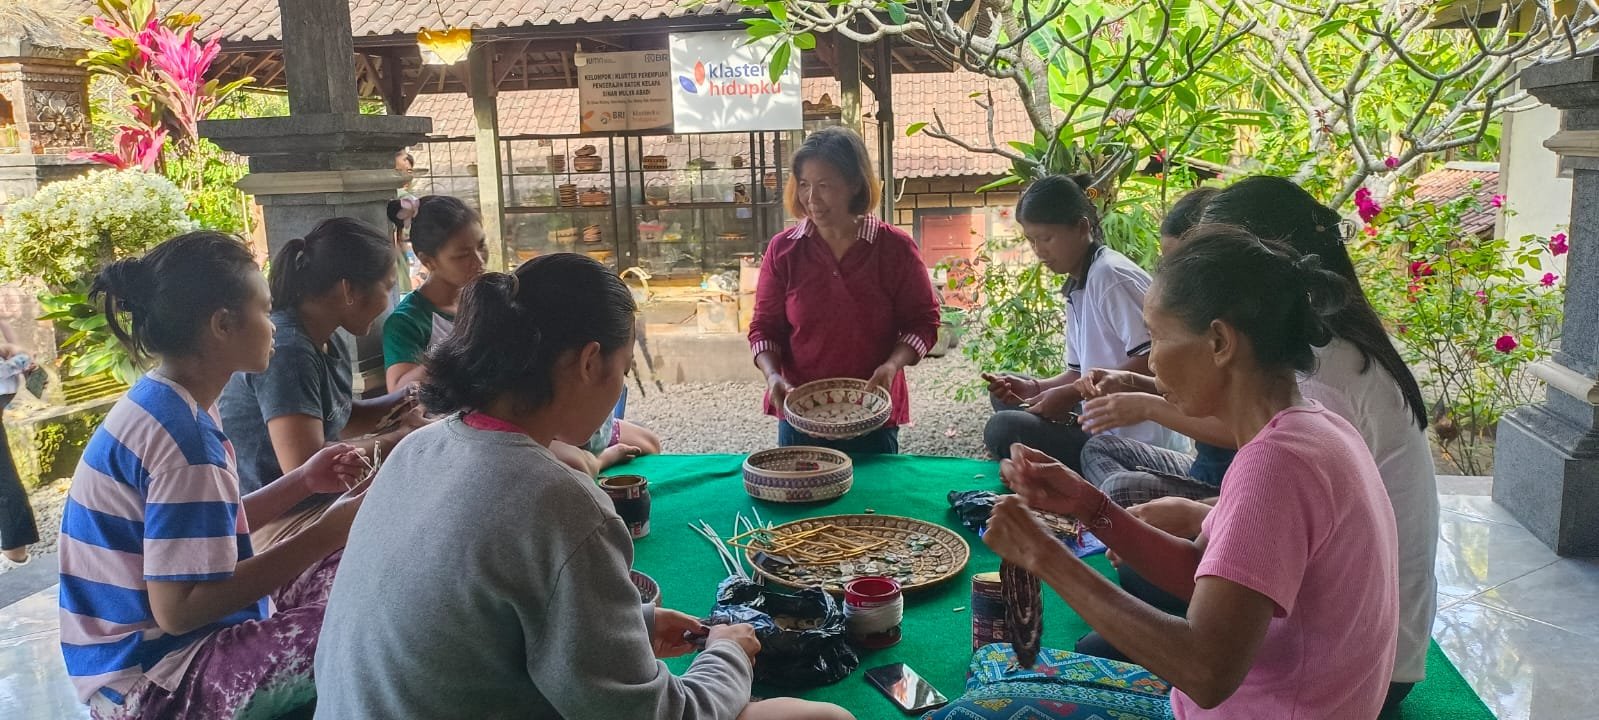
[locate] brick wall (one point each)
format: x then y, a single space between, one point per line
953 197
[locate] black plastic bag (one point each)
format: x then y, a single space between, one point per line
803 641
973 507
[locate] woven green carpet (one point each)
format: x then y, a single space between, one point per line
937 628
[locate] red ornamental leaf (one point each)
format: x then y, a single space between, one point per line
699 73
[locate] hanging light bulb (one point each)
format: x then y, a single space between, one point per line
444 47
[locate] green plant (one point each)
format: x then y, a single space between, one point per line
89 348
1469 315
1019 321
72 227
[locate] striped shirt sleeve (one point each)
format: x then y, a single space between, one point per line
192 525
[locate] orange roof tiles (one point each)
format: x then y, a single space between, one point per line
247 20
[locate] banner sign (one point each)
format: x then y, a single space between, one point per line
720 83
624 91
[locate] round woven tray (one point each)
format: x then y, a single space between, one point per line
918 554
798 474
648 590
837 409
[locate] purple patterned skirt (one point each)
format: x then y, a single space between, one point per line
256 669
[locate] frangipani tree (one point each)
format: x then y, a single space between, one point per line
1366 86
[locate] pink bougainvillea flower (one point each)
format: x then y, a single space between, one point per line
1506 343
1421 268
1368 208
1497 201
1549 279
1558 244
1413 292
1392 162
1482 296
1371 231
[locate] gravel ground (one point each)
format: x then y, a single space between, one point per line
726 417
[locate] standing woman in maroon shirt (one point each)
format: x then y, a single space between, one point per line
842 294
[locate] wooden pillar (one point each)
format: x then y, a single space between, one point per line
849 81
490 181
885 124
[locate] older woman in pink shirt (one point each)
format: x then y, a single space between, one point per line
1292 589
841 294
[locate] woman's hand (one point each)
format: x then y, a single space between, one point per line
1106 413
341 514
1057 404
1100 382
1173 515
673 631
1011 389
778 389
333 469
883 377
742 633
1016 534
1048 485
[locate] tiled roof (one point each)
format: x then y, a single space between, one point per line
246 20
1456 180
554 112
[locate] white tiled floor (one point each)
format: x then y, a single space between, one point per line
1518 621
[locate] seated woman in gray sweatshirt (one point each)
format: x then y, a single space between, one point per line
486 579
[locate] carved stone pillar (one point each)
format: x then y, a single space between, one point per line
1546 465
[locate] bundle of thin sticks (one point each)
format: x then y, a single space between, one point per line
823 544
1024 612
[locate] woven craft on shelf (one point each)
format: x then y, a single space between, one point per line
588 163
566 194
837 409
736 237
798 474
564 235
657 192
593 234
918 554
649 591
555 163
656 162
770 180
594 198
586 151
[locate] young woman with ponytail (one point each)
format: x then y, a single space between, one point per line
167 611
1105 327
518 604
337 277
1284 619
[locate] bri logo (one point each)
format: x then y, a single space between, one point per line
726 79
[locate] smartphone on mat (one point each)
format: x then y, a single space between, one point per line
905 688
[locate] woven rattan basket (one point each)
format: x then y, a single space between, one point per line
837 409
798 474
916 553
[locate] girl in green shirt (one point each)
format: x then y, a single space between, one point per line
447 237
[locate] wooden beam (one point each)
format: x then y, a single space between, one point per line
885 124
265 61
849 82
520 55
490 187
391 82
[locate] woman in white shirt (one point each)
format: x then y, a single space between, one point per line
1104 329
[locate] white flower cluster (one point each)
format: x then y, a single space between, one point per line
71 228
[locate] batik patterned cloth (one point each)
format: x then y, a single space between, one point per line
1061 685
255 670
